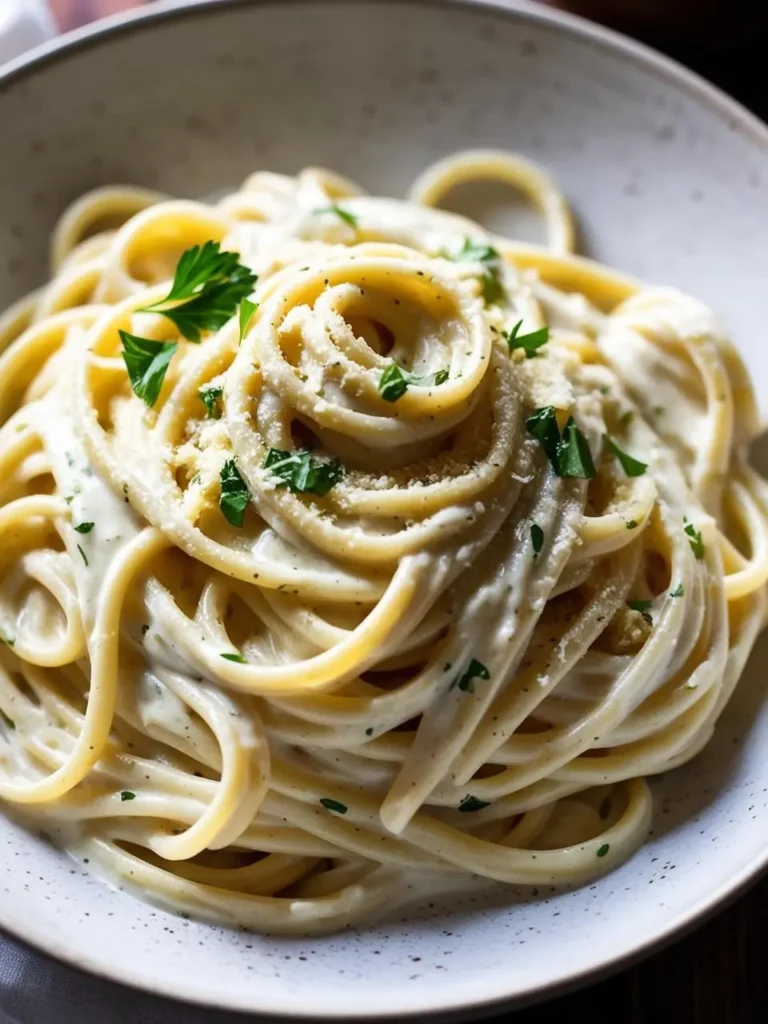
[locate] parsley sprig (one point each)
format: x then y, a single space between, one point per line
631 466
472 803
396 380
209 396
208 286
147 363
234 497
569 453
340 212
490 258
694 539
642 607
303 472
529 343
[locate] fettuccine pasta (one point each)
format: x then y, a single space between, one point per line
349 552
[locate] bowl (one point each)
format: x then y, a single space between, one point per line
669 181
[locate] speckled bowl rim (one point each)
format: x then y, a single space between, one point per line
740 119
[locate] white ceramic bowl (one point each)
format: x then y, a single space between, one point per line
669 180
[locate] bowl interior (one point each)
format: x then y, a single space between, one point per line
669 182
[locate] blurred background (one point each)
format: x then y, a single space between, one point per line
725 40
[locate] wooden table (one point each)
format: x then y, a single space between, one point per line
719 973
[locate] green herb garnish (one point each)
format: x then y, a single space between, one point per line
626 418
247 309
237 658
475 670
642 607
537 538
542 424
632 524
529 343
84 527
694 539
208 285
481 252
333 805
147 362
632 467
209 396
7 722
574 458
127 795
342 214
603 850
472 803
82 554
234 497
396 380
678 591
303 472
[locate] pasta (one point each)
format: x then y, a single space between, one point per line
350 552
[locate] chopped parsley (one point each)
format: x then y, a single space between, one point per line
569 454
632 524
396 380
333 805
7 722
127 795
626 418
245 315
537 538
678 591
303 472
490 258
209 396
237 658
234 497
340 212
603 850
472 803
694 539
84 527
147 362
208 285
369 731
642 607
475 670
529 343
632 467
82 554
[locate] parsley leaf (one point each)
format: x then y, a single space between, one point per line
603 850
537 538
303 472
212 282
632 467
333 805
247 309
84 527
209 396
345 215
127 795
237 658
396 380
694 539
632 524
542 424
234 497
574 458
642 607
475 670
481 252
7 722
528 342
472 803
147 362
678 591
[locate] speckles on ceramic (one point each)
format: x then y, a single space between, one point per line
668 182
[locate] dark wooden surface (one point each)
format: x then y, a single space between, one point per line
719 973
